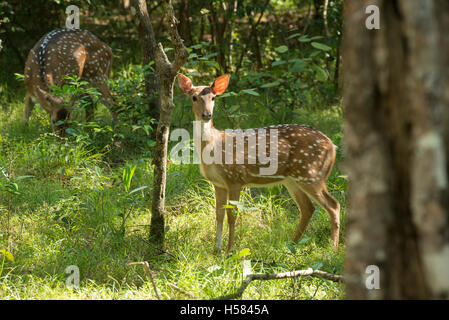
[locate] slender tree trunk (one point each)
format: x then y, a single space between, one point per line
231 34
396 84
326 28
317 4
257 52
167 72
184 23
147 46
251 35
337 66
219 30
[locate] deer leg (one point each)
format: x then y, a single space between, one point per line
305 207
221 196
320 194
234 195
29 106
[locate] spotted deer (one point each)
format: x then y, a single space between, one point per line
302 159
61 53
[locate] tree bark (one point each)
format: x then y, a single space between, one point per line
167 72
395 88
147 46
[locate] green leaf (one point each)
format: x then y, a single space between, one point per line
271 84
13 187
303 240
278 62
251 92
321 46
23 177
127 177
294 35
291 247
207 57
304 38
138 189
320 73
8 255
19 77
298 66
282 49
317 265
71 131
245 252
228 94
234 108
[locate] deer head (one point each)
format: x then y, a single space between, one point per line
203 97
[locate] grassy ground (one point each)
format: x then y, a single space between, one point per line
65 205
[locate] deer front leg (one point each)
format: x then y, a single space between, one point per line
234 195
221 196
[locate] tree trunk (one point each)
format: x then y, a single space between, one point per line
396 81
184 27
147 46
250 37
167 72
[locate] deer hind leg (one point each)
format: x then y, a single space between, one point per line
318 192
29 106
305 207
221 196
234 195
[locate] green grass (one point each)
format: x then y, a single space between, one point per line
69 213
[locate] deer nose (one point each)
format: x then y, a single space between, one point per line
206 115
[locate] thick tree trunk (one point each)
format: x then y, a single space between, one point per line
148 45
396 84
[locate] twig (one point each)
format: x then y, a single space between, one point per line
157 248
146 269
282 275
174 286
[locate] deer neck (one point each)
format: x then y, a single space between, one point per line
205 134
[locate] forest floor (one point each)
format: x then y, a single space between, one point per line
63 205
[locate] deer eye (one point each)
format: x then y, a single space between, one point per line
194 98
213 98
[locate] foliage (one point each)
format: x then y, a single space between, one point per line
85 199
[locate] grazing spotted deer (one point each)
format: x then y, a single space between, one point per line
300 157
61 53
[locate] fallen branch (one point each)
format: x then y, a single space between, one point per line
282 275
146 269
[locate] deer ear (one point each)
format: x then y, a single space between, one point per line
220 84
185 84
